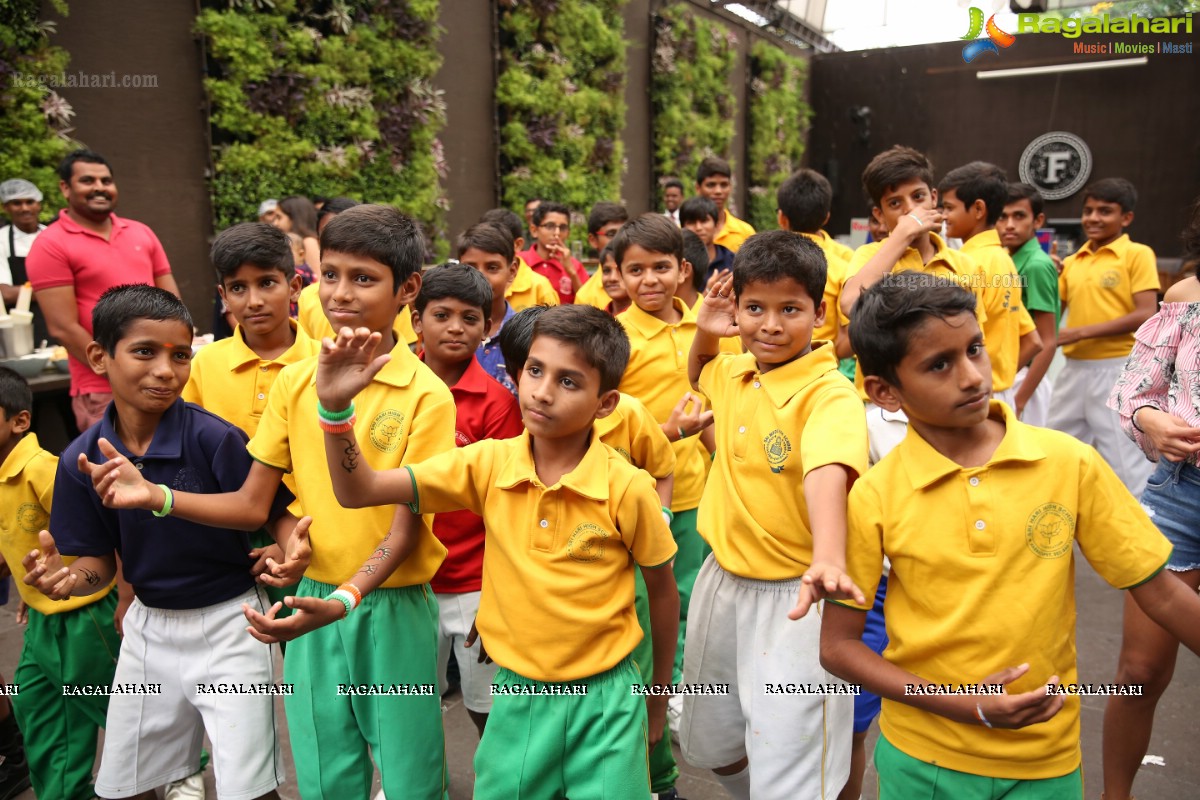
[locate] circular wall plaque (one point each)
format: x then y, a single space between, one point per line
1057 163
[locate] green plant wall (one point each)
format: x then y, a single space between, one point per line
778 126
561 102
35 121
313 97
693 102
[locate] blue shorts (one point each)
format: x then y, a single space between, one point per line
1172 499
866 705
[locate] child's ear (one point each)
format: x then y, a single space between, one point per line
819 314
882 393
409 290
416 321
96 360
608 403
519 243
593 242
1039 222
825 221
20 422
979 209
685 271
781 220
1126 219
294 287
221 294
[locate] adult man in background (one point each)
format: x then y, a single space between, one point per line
89 250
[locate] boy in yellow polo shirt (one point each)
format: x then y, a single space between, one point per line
567 517
972 199
604 220
528 288
649 250
73 642
714 180
791 440
1109 287
978 514
370 269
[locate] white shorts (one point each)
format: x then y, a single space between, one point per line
456 615
1037 407
885 430
739 634
203 662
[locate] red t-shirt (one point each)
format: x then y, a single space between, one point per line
66 254
553 271
484 409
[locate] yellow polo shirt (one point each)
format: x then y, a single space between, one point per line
311 317
657 375
26 494
983 578
733 232
1007 319
557 597
835 279
832 245
592 292
633 432
772 429
406 415
230 380
1098 286
945 263
530 289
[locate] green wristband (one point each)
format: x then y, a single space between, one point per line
343 600
334 416
168 501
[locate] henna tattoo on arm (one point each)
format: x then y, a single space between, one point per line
90 575
368 569
350 455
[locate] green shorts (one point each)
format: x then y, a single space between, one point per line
366 688
688 560
543 745
664 772
902 777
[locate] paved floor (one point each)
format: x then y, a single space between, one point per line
1099 633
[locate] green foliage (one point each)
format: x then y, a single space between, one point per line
560 95
778 126
326 98
694 105
34 119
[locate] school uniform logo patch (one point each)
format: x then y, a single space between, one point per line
387 429
32 517
587 543
1110 279
1050 531
777 446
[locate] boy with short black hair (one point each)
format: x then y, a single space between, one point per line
699 215
972 197
958 622
380 557
184 629
603 223
528 288
489 249
695 255
790 442
66 643
1018 226
569 563
1108 287
451 313
550 256
714 180
610 274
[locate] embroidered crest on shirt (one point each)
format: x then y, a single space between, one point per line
1110 279
587 542
32 517
1050 531
777 446
387 429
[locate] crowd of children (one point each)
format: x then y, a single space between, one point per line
748 490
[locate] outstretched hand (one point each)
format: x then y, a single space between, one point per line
822 581
291 569
310 613
118 482
717 313
346 366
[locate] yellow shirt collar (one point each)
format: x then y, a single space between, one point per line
241 355
1118 246
649 326
989 238
20 456
784 383
925 466
589 478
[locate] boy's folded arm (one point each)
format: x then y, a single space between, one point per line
881 263
1173 605
844 654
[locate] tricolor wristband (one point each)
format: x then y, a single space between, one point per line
344 426
335 416
345 598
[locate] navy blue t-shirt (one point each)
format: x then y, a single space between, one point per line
171 563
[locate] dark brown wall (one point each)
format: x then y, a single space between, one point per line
468 77
637 183
1139 122
155 138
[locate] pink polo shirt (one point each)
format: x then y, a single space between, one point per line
66 254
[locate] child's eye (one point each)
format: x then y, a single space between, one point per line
938 365
568 383
534 371
975 349
362 278
790 309
183 355
753 308
268 283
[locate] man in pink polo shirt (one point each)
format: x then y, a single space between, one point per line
89 249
